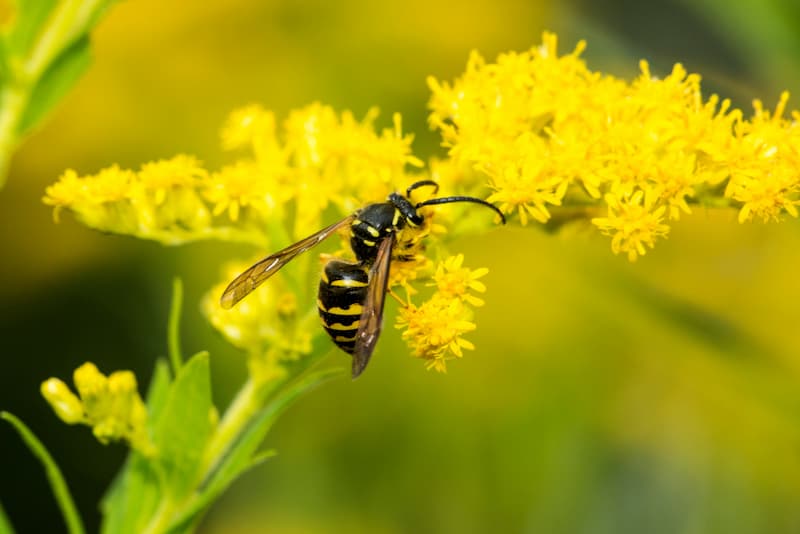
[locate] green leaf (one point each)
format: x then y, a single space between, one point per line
5 524
157 394
43 54
132 498
183 427
242 455
61 75
29 19
135 493
54 476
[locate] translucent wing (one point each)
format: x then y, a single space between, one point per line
246 282
370 325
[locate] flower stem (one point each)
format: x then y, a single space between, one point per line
248 401
173 326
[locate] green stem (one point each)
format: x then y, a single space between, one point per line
173 326
248 401
161 519
13 101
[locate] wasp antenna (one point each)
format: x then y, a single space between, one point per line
422 183
449 200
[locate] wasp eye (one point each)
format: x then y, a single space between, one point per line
416 219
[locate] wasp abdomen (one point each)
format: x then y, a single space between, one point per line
342 291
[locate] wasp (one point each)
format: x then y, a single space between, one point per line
352 294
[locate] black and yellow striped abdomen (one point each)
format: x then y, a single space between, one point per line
342 291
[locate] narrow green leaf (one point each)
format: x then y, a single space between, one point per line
174 324
57 80
184 426
5 524
54 476
242 455
157 393
135 493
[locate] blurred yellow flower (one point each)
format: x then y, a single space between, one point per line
158 202
111 405
239 186
160 177
265 325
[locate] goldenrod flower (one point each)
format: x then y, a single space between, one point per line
453 280
111 405
433 330
265 324
251 126
546 132
633 223
158 202
66 192
320 159
238 186
158 178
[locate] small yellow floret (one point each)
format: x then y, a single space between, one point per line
453 280
633 223
67 406
434 329
110 405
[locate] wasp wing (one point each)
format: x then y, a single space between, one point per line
369 327
246 282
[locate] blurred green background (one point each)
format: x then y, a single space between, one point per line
604 397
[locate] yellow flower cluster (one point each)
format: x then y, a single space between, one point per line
267 324
322 158
434 329
161 201
548 132
276 193
111 405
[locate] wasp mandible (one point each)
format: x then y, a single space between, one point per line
351 294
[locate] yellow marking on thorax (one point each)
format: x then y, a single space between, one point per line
353 309
396 217
368 243
374 232
347 282
340 326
